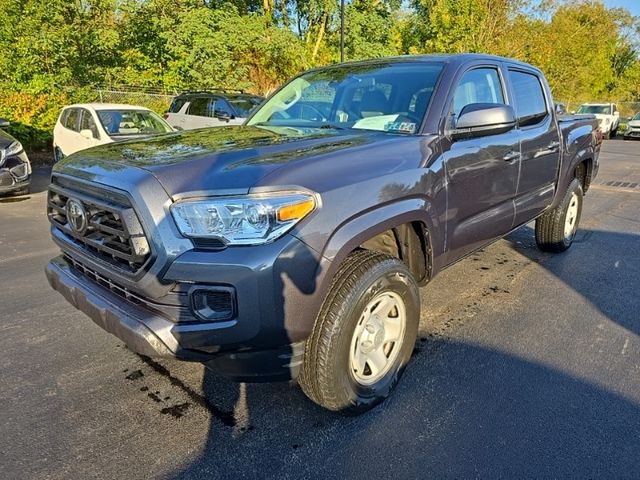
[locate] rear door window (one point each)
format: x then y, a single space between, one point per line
530 104
202 107
71 121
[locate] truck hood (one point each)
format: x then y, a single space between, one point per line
222 159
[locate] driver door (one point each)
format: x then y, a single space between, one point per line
481 172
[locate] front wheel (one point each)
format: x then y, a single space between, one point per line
556 229
364 334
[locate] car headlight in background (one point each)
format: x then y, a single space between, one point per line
243 220
14 149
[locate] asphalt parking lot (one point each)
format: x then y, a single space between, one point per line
528 365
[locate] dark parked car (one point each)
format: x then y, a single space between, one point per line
294 245
15 169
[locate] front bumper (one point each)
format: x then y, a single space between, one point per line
632 132
15 173
153 335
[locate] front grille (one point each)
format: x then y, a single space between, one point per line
110 230
173 306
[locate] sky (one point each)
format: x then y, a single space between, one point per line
632 5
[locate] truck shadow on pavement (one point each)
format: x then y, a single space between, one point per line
601 266
462 410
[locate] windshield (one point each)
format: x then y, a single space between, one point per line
593 109
244 105
391 97
132 122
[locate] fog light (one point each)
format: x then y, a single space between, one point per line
213 303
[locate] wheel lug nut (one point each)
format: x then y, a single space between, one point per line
370 328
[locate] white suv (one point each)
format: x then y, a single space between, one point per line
87 125
606 113
210 109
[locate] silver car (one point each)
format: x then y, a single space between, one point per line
192 110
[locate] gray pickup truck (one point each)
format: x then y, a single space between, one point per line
294 245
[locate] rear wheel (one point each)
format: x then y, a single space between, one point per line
364 335
556 229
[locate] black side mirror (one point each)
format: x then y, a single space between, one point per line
482 119
224 116
4 123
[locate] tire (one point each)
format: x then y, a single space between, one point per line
556 229
625 138
613 133
334 374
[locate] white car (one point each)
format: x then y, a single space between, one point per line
606 113
87 125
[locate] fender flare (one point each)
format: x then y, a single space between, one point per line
348 236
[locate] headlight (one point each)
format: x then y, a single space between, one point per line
13 149
242 220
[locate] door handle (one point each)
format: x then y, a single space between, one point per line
553 146
511 156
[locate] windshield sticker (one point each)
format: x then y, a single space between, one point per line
405 127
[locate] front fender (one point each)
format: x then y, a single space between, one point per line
353 233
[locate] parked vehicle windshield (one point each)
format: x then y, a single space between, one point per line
132 122
391 97
593 109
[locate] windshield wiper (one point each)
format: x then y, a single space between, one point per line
331 126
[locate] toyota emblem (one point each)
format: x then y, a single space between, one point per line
76 216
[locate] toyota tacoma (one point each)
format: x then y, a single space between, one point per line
293 246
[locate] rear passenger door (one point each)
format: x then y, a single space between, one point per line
539 144
202 113
67 139
481 172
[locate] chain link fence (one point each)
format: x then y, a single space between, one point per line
156 101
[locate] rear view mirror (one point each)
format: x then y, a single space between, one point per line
4 123
482 119
616 114
86 133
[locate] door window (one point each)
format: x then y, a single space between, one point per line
202 107
87 123
530 105
222 109
71 121
481 85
